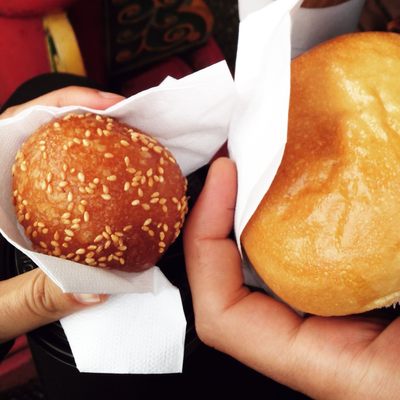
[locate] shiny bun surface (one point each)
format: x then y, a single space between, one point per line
94 190
326 236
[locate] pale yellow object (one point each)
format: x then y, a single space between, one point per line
63 49
326 237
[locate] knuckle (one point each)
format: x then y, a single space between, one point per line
207 328
39 300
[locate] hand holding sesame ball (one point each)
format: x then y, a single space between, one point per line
93 190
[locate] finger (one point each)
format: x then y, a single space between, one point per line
72 95
208 251
31 300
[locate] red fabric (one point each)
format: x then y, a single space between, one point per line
23 52
87 19
30 8
17 368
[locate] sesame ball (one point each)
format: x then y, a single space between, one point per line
93 190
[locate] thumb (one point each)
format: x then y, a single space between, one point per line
31 300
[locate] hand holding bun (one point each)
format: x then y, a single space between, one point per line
326 236
93 190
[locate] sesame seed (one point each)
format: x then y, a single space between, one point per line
101 259
106 197
124 143
72 170
114 238
96 181
65 167
90 254
27 216
155 194
107 244
86 216
108 155
144 149
145 228
163 201
80 251
162 235
99 249
127 185
87 133
98 238
56 125
103 265
99 118
85 142
160 170
99 132
150 182
135 202
106 235
76 140
157 149
105 189
119 253
81 177
76 220
147 222
140 192
145 206
62 184
143 180
161 178
23 166
151 233
111 178
162 244
172 160
44 155
127 228
70 206
65 147
90 260
54 243
165 228
165 209
122 248
89 190
45 231
43 245
92 247
70 255
65 245
154 200
75 226
110 257
108 229
106 132
49 189
34 234
149 172
161 250
127 161
121 261
29 230
131 170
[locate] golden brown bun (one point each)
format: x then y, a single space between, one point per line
326 236
93 190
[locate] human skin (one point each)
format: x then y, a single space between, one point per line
31 300
326 358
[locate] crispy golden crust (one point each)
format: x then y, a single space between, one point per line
326 237
93 190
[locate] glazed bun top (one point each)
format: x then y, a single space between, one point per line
326 236
91 189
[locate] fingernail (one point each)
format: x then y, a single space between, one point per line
109 95
87 298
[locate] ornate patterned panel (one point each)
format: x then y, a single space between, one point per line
140 32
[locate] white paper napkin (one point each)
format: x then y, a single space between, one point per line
313 25
269 31
141 331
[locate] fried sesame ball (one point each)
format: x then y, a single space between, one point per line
93 190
